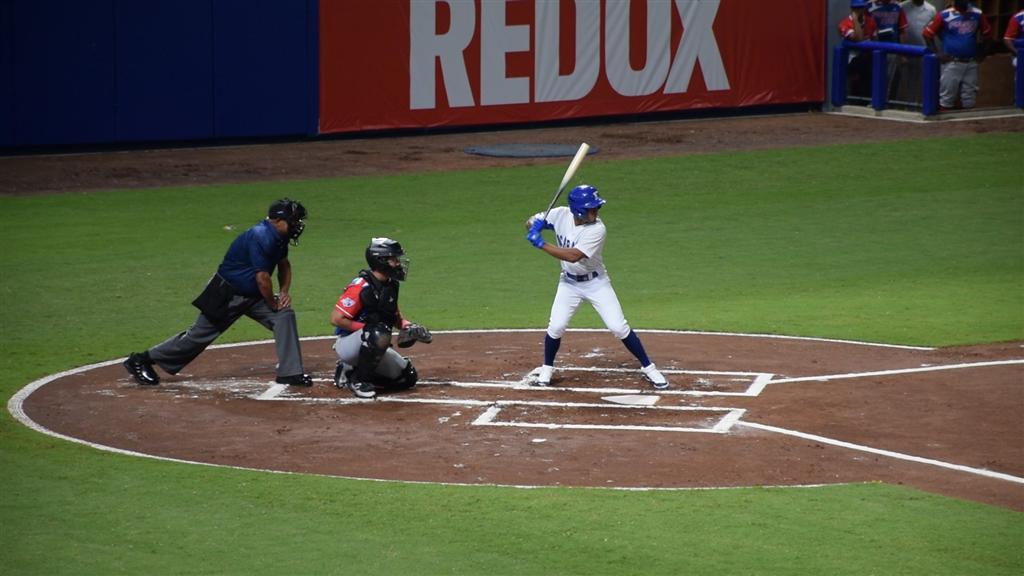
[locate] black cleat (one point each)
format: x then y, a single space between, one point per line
141 368
362 389
342 374
296 380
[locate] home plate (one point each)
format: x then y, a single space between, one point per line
633 399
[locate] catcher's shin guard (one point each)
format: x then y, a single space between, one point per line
408 377
405 380
376 339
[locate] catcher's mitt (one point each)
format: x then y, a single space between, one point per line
412 334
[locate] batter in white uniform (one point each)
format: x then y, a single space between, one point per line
579 237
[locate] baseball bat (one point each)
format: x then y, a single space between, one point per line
569 173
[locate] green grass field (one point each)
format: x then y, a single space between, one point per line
811 242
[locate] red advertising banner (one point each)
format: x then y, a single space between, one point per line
427 63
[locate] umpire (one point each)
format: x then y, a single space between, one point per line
242 285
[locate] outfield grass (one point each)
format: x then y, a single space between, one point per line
812 242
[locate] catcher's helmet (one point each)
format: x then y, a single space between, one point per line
380 251
583 198
292 212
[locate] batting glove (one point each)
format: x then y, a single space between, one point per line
534 237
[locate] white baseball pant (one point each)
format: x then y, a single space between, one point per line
599 293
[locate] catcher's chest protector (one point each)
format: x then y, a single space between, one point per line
380 300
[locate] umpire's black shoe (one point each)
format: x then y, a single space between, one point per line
140 367
296 380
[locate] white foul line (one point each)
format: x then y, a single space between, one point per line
893 372
889 453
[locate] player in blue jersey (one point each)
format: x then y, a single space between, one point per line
964 32
891 24
1014 32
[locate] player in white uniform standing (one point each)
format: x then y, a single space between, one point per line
580 235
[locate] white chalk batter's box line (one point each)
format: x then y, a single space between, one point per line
758 381
493 407
724 424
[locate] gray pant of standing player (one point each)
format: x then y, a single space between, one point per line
177 351
958 77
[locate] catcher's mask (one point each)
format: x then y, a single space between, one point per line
380 251
583 198
292 212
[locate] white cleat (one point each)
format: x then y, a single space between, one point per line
541 376
652 375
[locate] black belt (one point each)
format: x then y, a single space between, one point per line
582 277
963 60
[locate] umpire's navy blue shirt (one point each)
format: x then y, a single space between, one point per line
257 249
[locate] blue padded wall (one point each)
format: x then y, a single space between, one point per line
164 69
6 73
108 71
260 87
63 72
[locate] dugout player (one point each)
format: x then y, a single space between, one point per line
363 318
242 285
890 26
958 26
919 13
858 26
580 236
1014 32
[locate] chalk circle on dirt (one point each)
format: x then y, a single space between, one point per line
743 410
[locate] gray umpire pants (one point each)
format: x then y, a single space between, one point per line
177 351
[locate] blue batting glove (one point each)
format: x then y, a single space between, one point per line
534 237
537 225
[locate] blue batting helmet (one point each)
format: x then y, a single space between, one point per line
583 198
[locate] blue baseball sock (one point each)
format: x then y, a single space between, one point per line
632 342
550 349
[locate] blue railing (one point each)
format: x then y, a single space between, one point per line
929 73
879 66
1018 75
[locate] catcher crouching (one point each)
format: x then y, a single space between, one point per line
364 317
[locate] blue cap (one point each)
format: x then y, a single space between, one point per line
859 4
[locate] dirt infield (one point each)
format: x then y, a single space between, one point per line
742 411
20 175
